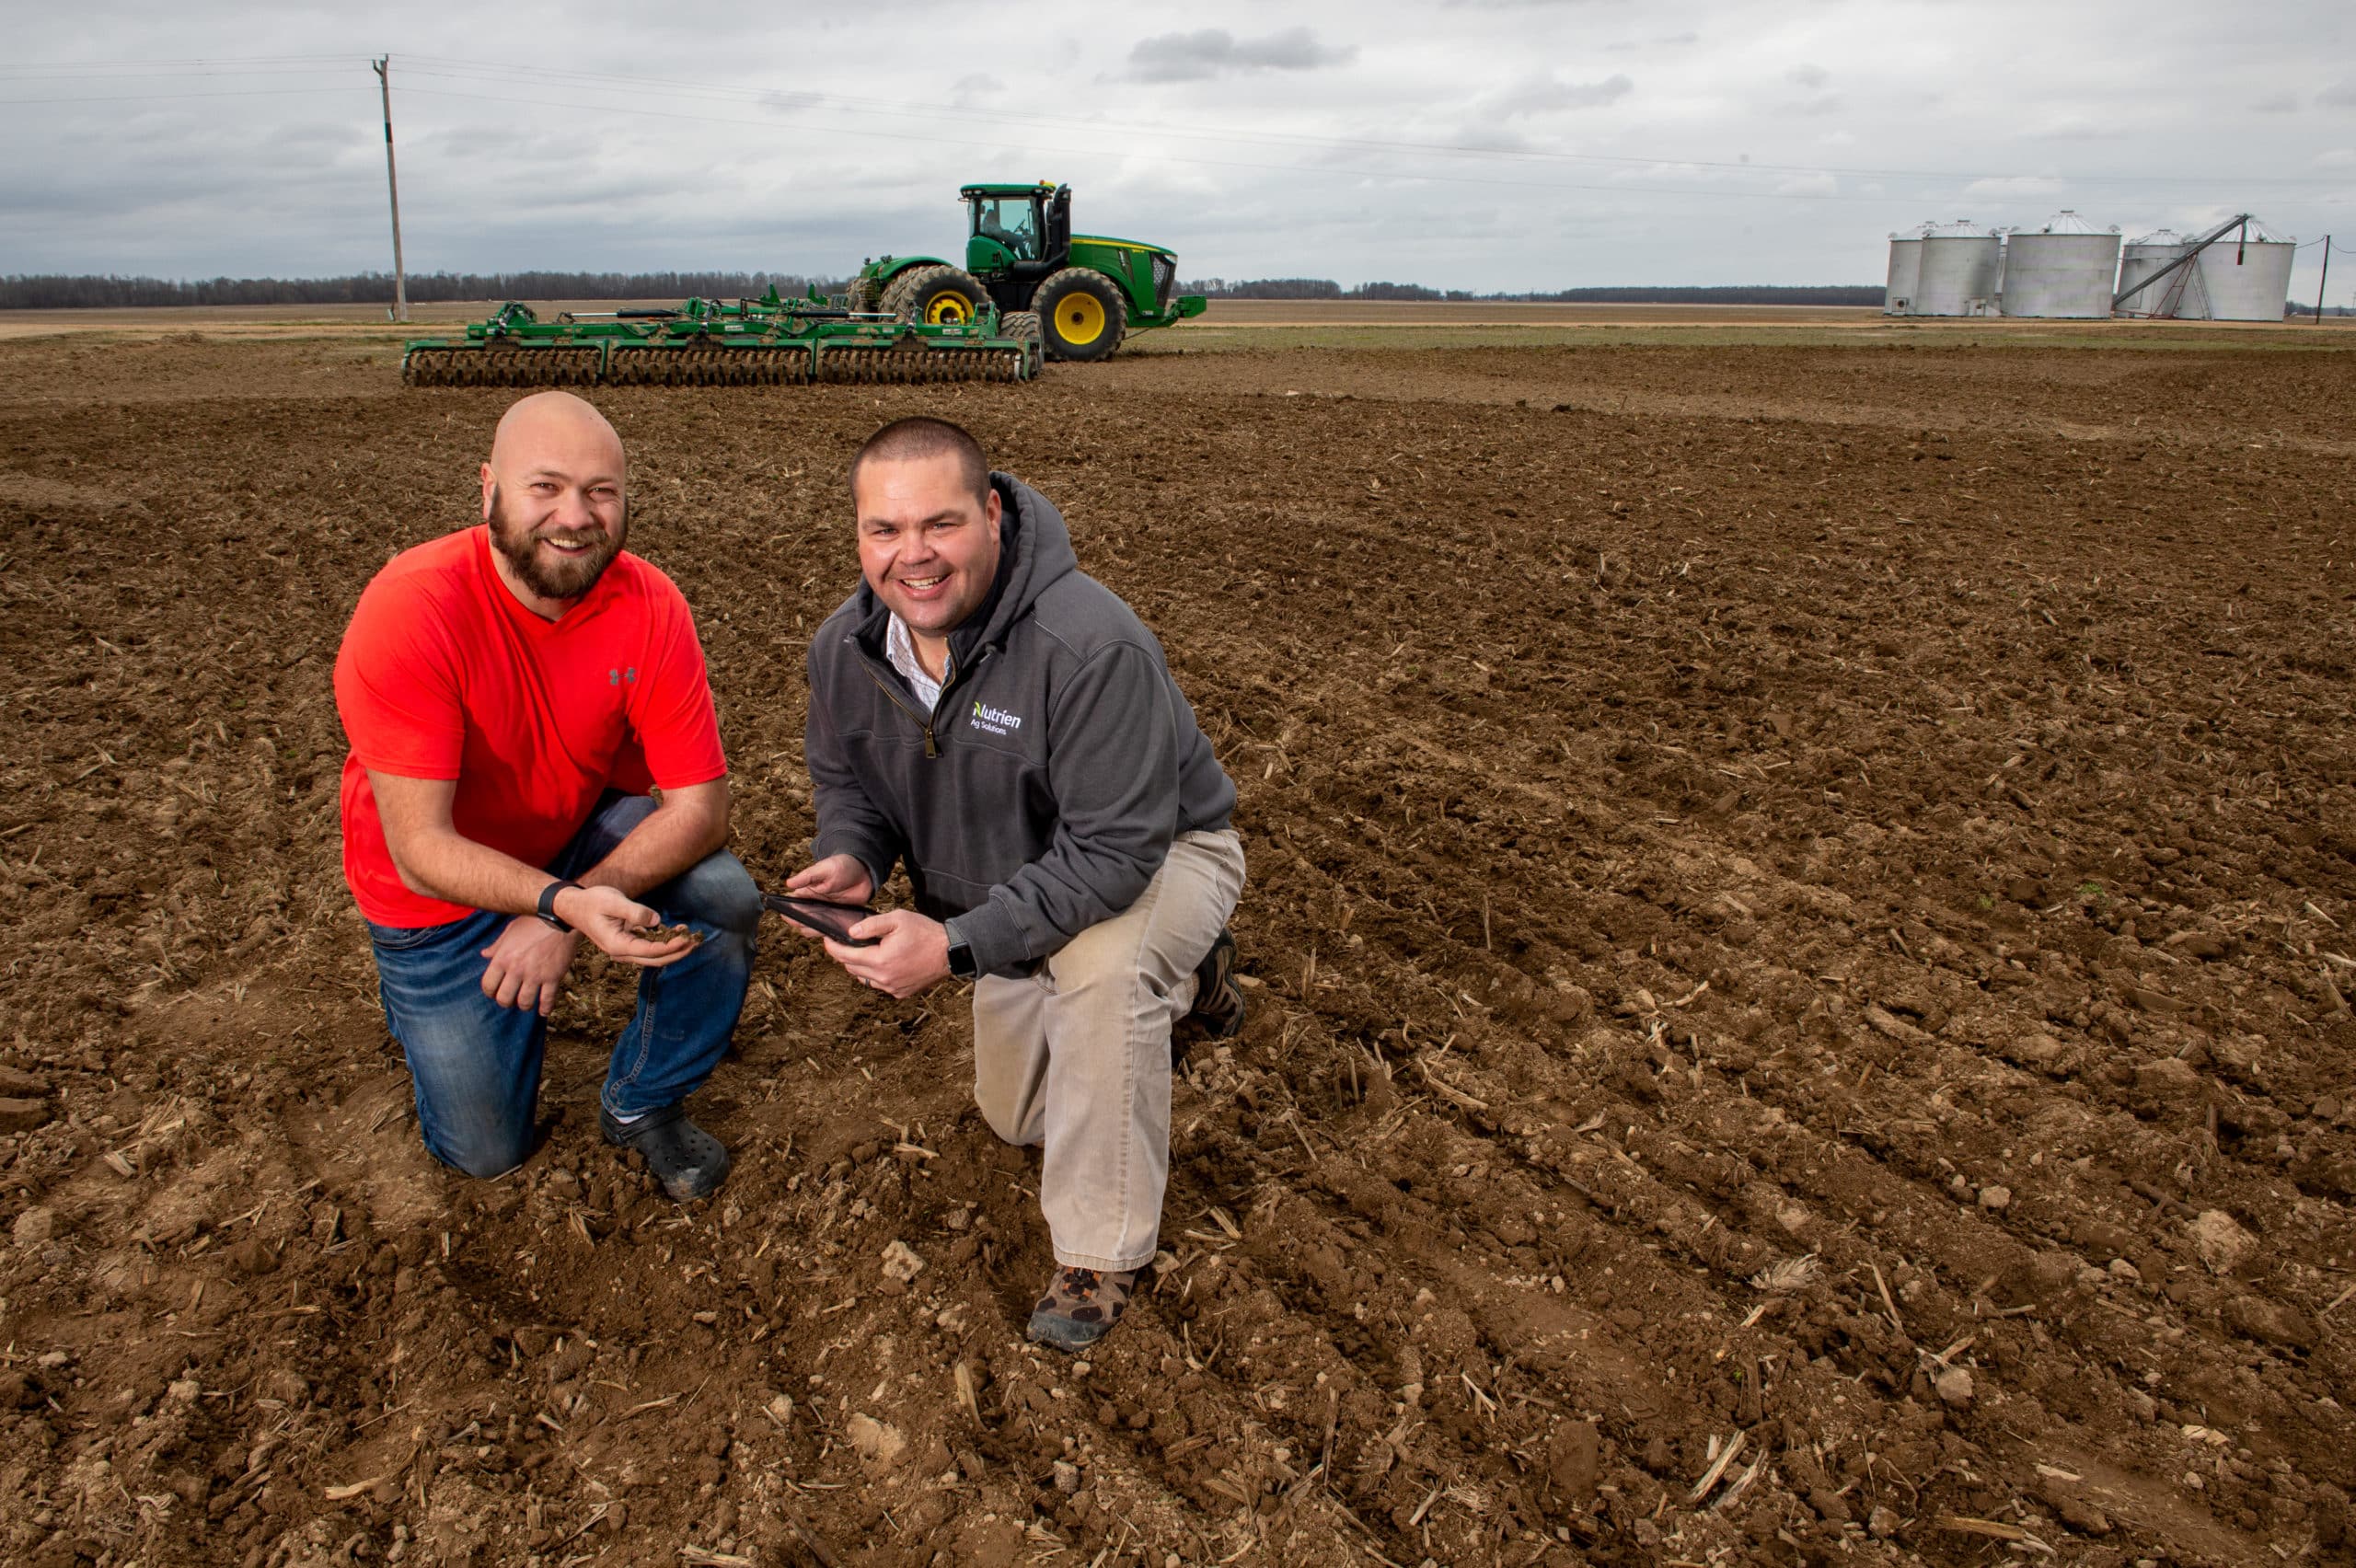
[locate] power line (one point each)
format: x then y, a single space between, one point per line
175 98
116 66
34 78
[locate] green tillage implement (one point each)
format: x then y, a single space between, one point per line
767 341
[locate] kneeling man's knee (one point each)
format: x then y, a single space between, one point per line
1003 1112
482 1151
718 890
1104 954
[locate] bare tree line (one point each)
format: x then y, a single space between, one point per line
60 291
1732 294
90 292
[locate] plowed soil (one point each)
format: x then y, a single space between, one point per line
1800 932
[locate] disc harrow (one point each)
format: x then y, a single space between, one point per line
767 342
902 367
554 365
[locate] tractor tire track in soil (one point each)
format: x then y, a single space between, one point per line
1797 943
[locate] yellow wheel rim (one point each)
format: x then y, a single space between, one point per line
1079 318
951 309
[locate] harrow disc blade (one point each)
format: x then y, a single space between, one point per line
564 366
871 367
710 361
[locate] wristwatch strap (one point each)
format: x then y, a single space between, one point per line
547 904
961 955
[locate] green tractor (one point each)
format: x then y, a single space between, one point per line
1079 294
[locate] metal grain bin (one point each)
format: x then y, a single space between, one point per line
1905 271
2067 268
1958 271
2246 280
2141 258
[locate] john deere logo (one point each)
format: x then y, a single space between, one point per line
996 721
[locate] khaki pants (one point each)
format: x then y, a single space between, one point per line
1077 1057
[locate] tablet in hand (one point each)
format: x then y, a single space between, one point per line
823 916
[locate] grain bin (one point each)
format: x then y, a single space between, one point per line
2141 258
2065 269
2245 279
1957 275
1905 271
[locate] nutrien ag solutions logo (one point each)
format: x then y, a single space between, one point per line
996 721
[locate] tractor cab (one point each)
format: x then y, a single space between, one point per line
1020 234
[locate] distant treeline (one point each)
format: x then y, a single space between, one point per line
58 292
1739 293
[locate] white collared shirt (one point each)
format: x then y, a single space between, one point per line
901 649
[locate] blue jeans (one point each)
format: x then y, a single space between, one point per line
477 1064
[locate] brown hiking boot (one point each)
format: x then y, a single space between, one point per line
1217 1013
1082 1305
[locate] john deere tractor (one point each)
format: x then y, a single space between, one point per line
1079 293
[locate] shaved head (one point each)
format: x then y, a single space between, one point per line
548 423
554 495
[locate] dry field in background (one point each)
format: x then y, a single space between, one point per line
1800 927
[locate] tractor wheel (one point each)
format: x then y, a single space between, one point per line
936 296
1084 314
863 297
1021 324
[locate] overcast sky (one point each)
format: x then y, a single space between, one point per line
1467 144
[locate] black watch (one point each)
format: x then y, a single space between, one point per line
961 959
546 910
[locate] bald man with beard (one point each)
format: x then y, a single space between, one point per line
516 695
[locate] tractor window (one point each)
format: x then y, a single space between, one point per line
1008 220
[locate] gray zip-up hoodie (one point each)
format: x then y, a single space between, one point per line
1041 794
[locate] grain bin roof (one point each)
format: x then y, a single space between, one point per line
2068 222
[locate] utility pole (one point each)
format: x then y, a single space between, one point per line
2324 279
382 67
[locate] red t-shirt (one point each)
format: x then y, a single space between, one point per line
444 676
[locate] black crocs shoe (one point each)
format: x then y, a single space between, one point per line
688 1161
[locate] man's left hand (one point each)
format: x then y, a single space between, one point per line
527 964
910 952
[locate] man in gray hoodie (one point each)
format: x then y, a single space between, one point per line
988 713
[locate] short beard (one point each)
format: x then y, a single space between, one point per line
564 577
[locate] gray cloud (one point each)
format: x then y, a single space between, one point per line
1809 75
1213 52
1549 94
1262 155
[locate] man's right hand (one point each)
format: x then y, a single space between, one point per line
840 879
606 915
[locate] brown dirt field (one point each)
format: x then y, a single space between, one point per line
1800 908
